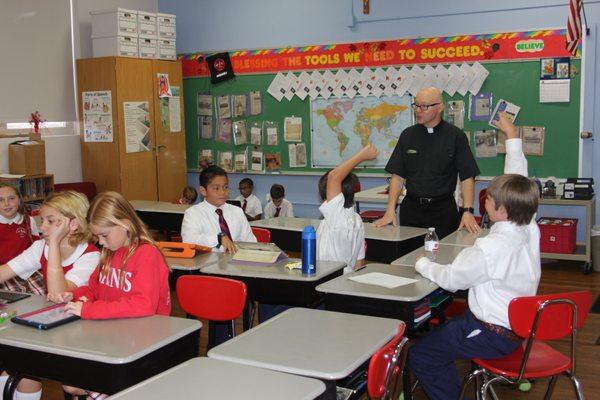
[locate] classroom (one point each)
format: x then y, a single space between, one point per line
139 97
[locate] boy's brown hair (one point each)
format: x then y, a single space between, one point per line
518 194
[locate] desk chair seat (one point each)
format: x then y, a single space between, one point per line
262 235
212 298
538 318
385 368
371 215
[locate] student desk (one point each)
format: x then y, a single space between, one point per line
207 378
446 254
190 266
319 344
463 238
383 244
160 215
344 295
374 195
104 356
275 284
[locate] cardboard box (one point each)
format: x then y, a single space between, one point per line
27 157
148 48
167 49
123 46
147 27
113 22
167 26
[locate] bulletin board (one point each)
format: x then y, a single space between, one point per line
512 59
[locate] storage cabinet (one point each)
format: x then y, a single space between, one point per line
158 174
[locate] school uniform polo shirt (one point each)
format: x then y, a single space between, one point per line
431 161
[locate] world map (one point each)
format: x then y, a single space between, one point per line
341 127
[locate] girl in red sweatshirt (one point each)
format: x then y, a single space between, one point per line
132 277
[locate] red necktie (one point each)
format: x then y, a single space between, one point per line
277 209
244 204
223 224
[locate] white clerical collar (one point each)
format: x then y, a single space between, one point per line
430 130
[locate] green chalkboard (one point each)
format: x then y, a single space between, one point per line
517 82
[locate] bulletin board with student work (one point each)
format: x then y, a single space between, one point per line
530 73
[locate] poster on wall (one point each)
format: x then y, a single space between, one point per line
175 110
97 116
137 126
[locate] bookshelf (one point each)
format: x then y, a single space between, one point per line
34 188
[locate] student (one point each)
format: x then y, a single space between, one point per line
132 279
188 196
64 256
278 206
250 203
17 231
213 222
499 267
341 234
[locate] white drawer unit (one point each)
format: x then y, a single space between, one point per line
167 49
123 46
147 25
148 48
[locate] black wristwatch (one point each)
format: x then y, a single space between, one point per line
219 239
466 209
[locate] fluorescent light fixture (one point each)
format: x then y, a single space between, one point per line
27 125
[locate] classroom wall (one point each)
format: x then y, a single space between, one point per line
211 25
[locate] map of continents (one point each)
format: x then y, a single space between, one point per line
341 127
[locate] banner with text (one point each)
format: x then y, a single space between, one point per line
463 48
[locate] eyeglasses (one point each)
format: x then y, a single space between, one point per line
422 107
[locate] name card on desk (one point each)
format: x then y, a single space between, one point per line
384 280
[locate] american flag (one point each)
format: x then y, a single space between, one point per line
574 25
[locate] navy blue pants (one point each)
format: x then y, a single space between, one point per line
432 359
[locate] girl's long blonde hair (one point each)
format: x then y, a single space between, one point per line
22 209
73 205
111 209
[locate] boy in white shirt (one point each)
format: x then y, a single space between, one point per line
250 203
215 223
498 268
278 206
341 234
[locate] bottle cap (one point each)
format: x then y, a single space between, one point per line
309 232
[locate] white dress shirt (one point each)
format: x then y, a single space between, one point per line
17 219
341 234
286 209
499 267
253 205
26 263
201 225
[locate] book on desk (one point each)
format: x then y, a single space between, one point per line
257 253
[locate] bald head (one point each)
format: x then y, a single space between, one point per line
429 106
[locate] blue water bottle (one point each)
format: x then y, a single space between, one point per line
309 250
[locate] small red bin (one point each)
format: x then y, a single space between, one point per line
558 235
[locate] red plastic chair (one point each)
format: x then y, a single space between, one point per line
482 197
212 298
385 368
537 318
262 235
368 215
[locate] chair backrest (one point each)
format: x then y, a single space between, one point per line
262 235
87 188
385 368
482 197
211 298
556 313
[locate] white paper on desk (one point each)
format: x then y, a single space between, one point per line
384 280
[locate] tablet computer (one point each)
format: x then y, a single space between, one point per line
45 318
11 297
